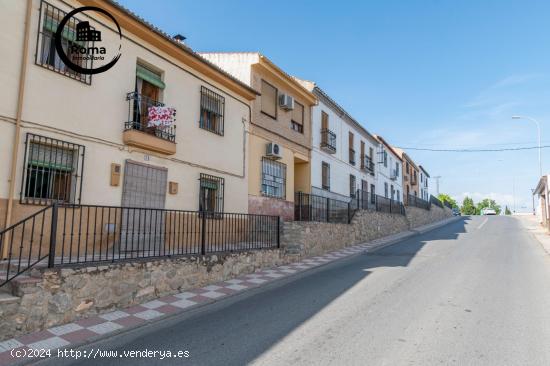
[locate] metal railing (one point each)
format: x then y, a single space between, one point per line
138 117
435 201
61 235
328 140
310 207
417 202
368 164
448 205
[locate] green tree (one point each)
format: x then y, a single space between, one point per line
488 203
507 211
468 206
446 198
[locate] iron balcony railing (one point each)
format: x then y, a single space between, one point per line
61 235
417 202
328 140
368 164
138 117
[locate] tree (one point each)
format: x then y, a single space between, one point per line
446 198
488 203
468 206
507 211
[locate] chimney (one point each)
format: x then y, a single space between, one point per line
179 38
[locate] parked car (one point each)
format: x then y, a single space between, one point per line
456 212
488 211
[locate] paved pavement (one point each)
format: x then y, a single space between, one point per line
475 292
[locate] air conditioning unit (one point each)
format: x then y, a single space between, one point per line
286 102
273 151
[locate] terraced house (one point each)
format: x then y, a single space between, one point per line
94 140
280 132
390 171
411 174
343 155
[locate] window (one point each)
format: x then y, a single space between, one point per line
269 99
362 156
211 193
385 158
52 171
372 194
325 176
273 178
392 192
352 185
386 189
351 150
408 169
324 121
46 54
297 119
212 110
397 169
398 199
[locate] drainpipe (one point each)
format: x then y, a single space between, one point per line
20 96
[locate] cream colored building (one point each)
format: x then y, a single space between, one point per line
72 138
281 120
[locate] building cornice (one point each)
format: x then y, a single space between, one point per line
149 33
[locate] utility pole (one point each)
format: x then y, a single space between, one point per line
533 197
437 184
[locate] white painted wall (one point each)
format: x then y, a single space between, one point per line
340 168
384 174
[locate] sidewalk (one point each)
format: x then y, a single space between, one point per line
533 226
95 327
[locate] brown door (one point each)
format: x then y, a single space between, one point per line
149 97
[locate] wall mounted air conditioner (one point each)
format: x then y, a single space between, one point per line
273 151
286 102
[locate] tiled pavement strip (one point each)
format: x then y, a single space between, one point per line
94 327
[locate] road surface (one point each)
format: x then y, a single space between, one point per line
475 292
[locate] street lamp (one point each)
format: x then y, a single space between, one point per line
538 131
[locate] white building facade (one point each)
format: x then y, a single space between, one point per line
424 184
343 152
389 174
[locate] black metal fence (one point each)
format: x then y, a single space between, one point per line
310 207
417 202
138 117
78 234
435 201
448 205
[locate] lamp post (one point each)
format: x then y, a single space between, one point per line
538 132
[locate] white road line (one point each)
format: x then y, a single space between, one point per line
483 223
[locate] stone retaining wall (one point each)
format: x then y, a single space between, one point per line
306 239
66 294
418 216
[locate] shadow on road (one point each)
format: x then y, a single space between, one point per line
238 333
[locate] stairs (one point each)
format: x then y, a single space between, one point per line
26 282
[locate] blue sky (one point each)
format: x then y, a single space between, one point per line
436 74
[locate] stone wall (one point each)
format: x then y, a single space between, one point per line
63 295
418 216
314 238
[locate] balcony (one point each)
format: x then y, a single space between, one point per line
352 156
367 164
328 141
393 174
141 133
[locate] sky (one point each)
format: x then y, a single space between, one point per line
424 74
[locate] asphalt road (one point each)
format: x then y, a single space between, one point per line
475 292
